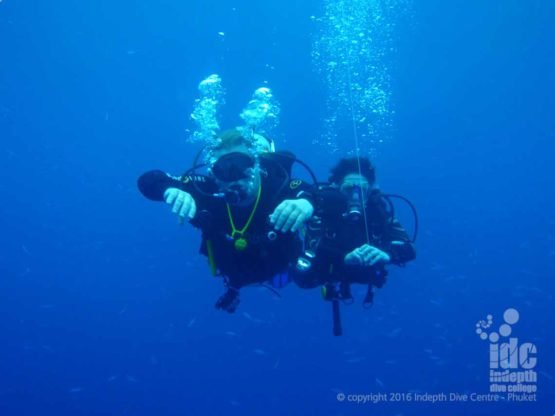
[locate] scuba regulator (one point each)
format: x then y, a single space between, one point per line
355 204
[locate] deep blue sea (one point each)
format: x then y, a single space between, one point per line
106 307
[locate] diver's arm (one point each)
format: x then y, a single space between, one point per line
182 203
399 246
291 214
176 192
296 208
395 248
367 256
155 183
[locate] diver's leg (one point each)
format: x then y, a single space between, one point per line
229 301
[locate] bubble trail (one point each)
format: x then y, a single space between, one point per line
205 112
350 53
261 115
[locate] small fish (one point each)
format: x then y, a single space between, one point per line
191 322
258 351
394 333
112 378
131 379
221 33
458 277
74 390
546 375
230 333
250 318
356 360
276 365
25 250
379 382
428 350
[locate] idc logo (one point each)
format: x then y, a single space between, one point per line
511 362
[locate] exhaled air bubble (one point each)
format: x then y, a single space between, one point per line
205 111
261 115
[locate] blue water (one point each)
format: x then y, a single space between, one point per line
107 309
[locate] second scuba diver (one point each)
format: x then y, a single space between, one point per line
353 235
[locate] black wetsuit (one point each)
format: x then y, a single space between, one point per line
267 253
337 236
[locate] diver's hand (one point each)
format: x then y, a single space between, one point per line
182 203
367 255
291 214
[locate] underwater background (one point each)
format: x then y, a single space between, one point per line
106 307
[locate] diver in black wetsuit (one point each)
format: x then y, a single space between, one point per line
353 235
248 209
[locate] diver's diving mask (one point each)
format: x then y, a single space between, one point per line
233 167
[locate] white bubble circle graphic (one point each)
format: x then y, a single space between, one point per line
505 330
484 336
494 337
478 331
489 317
511 316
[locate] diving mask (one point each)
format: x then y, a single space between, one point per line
233 167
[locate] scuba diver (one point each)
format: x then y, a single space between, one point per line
247 207
352 237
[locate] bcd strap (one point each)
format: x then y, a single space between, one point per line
329 292
337 329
